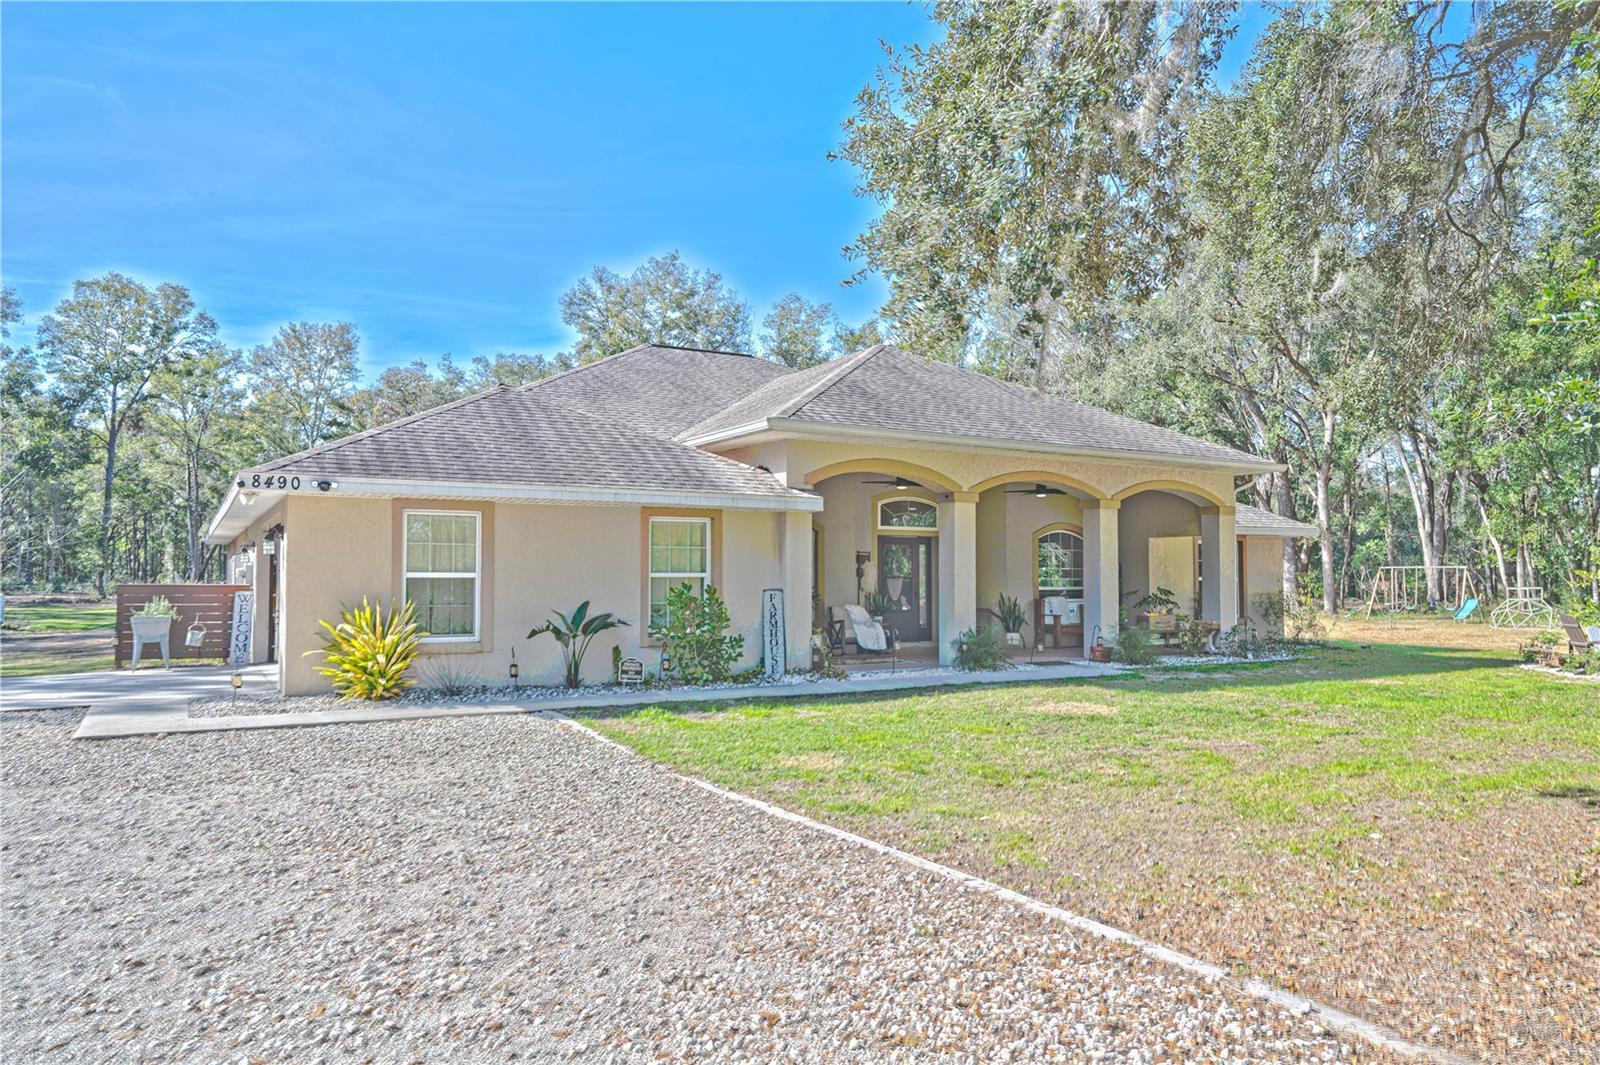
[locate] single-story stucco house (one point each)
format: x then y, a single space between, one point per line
611 482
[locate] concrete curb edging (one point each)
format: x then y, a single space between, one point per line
149 717
1336 1019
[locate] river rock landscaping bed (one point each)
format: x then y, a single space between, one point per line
504 888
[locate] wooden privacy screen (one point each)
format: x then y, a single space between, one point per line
210 605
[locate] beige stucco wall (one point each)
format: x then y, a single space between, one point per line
537 558
1148 515
1263 575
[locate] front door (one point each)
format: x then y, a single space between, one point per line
905 578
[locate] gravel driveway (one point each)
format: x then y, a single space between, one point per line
505 889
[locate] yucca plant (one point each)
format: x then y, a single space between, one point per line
369 655
574 633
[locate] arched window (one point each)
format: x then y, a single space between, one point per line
1059 563
907 513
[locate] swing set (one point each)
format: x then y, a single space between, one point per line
1398 589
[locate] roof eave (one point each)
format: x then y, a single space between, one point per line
222 529
1299 531
829 430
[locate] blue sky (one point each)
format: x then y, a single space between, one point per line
437 175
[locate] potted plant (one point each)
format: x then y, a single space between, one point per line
1158 606
1012 618
153 621
896 568
877 605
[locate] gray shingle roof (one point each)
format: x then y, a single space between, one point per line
525 437
884 388
661 390
1248 520
623 422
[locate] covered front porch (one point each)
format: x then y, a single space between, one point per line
934 558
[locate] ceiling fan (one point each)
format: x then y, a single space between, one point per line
1039 490
900 484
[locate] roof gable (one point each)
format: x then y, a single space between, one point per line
883 388
657 388
523 437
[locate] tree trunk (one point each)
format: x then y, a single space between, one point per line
1285 500
105 508
1330 593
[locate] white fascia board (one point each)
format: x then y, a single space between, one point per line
223 529
1298 532
830 431
234 515
727 434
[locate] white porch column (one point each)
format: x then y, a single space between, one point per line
957 590
1219 567
795 529
1101 587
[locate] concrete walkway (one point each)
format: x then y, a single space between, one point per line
151 684
151 714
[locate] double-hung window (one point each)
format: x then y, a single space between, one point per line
443 567
680 553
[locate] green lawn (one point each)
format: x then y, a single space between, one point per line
66 617
15 664
1409 831
1279 746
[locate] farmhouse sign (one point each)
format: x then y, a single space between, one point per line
774 647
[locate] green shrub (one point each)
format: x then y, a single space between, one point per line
158 607
1133 646
1540 645
1242 641
695 636
1192 635
878 604
1012 616
368 656
981 649
1303 624
574 634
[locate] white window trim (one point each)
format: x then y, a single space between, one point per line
477 576
877 514
651 573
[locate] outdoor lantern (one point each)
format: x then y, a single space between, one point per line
1039 491
514 670
269 547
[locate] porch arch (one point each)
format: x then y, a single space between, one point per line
1039 477
895 467
1172 486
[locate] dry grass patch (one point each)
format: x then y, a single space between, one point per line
1411 831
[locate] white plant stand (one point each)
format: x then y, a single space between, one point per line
151 629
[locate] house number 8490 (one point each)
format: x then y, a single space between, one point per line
273 481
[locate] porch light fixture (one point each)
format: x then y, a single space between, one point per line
901 484
325 485
514 670
247 498
269 547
